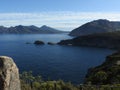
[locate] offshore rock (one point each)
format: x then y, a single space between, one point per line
38 42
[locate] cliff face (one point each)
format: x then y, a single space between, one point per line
107 73
9 75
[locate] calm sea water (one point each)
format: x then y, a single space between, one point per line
53 62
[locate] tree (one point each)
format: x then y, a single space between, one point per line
100 77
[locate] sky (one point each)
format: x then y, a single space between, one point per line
60 14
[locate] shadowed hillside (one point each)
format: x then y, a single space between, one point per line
103 40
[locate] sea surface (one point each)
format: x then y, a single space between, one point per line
52 62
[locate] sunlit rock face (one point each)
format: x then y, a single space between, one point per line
9 74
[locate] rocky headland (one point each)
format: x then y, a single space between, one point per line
104 40
107 73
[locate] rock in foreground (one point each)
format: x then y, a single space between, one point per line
38 42
9 75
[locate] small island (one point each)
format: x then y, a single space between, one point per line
38 42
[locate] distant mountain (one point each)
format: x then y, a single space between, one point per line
20 29
47 29
97 26
101 40
3 29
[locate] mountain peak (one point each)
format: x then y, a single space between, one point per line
50 29
96 26
20 29
102 20
45 26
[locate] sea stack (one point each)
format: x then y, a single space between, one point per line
9 74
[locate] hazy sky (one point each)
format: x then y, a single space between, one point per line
60 14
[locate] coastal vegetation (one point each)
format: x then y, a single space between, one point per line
30 82
109 40
107 73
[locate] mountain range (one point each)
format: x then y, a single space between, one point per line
96 26
20 29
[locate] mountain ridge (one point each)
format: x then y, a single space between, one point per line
96 26
21 29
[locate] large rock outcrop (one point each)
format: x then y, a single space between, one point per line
9 75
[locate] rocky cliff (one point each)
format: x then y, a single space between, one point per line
9 75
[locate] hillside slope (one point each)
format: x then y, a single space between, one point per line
96 26
103 40
107 73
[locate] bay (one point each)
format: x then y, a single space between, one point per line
51 61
